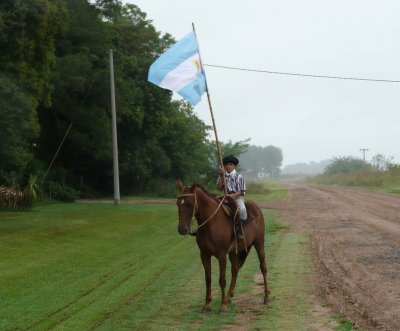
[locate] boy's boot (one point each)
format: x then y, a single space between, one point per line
238 229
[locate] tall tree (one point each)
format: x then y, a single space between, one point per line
54 71
158 139
150 125
81 97
265 160
27 36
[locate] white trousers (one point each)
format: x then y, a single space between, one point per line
242 208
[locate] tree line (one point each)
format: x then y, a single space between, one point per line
54 73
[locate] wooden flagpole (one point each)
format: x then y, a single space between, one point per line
212 114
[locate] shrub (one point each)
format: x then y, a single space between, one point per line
63 192
30 191
394 170
161 187
11 198
257 187
345 164
382 162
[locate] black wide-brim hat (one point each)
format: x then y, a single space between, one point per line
230 158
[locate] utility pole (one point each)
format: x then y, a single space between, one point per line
114 133
364 150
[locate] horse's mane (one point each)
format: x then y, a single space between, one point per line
211 195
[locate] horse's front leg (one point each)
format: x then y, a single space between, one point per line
222 282
206 259
234 270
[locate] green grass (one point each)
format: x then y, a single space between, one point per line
344 325
273 191
83 266
72 265
98 266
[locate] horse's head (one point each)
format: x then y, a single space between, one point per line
186 203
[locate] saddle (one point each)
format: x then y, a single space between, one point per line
230 209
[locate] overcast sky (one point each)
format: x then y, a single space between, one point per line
310 119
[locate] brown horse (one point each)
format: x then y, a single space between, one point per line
215 237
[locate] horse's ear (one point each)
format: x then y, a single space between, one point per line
180 186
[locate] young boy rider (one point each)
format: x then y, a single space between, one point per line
236 188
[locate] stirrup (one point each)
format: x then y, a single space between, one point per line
238 231
239 237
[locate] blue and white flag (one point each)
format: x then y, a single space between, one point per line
179 70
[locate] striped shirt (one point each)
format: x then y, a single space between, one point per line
235 182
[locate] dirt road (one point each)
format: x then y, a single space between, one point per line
355 244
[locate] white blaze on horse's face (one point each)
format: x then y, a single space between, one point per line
186 208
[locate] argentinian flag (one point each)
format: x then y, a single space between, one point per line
179 70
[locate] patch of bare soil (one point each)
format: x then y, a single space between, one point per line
355 245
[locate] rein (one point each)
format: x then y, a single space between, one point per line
191 232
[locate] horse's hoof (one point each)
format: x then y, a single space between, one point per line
223 310
266 301
206 309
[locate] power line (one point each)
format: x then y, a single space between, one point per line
304 75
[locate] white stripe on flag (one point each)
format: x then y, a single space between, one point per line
183 74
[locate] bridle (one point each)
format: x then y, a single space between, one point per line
195 207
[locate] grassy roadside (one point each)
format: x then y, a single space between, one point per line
388 181
98 266
265 191
290 273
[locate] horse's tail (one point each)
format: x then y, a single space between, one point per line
242 256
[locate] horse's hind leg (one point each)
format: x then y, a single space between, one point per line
206 259
259 246
222 282
234 270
